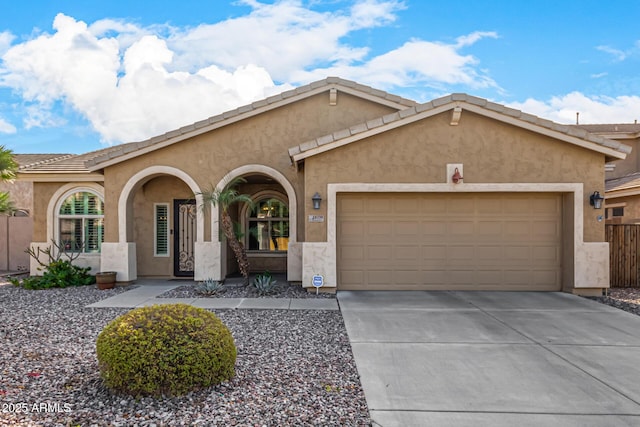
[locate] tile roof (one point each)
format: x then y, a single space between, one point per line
478 105
96 160
611 128
136 148
58 163
28 160
626 182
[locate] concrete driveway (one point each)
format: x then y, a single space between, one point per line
494 359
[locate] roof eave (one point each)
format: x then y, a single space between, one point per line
48 176
500 113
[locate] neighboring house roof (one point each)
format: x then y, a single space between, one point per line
611 128
458 102
59 163
618 131
131 150
624 186
623 183
28 160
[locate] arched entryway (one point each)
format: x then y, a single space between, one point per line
268 230
151 226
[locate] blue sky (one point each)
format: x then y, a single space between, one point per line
80 75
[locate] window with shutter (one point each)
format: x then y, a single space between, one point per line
81 223
161 244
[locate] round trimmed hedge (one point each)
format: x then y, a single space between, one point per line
167 349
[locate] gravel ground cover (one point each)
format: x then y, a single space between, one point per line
234 289
293 368
627 299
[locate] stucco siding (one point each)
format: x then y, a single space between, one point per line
262 139
491 152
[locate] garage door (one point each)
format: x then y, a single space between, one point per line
480 241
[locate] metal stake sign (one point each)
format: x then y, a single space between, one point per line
317 282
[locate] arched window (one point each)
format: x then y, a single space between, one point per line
81 223
268 226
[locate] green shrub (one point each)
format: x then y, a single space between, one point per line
58 274
167 349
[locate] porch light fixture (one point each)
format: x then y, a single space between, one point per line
596 199
316 199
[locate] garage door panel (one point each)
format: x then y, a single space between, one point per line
488 228
377 230
407 206
434 205
379 253
382 205
349 254
379 277
464 228
542 255
432 230
349 230
405 254
446 241
407 229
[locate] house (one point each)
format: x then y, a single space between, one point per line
622 178
355 188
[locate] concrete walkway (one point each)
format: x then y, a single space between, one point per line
147 291
494 359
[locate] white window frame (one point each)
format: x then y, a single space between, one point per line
245 215
59 216
155 230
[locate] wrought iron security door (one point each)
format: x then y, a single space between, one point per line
184 227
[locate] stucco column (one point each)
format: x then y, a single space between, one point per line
121 258
208 263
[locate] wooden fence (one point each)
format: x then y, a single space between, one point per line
624 250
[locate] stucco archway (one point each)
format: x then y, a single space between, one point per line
138 180
265 170
294 253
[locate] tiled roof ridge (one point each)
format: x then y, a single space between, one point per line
569 130
47 161
300 90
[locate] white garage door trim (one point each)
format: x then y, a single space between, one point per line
590 259
464 241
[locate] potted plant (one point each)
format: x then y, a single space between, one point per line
106 279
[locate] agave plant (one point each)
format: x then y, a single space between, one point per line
264 284
210 287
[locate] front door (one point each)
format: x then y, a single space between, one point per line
184 226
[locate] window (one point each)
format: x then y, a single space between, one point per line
268 226
161 243
81 219
614 212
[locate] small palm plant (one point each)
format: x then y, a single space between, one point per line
224 198
8 168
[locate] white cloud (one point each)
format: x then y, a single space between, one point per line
597 109
618 54
5 41
417 62
6 127
132 82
